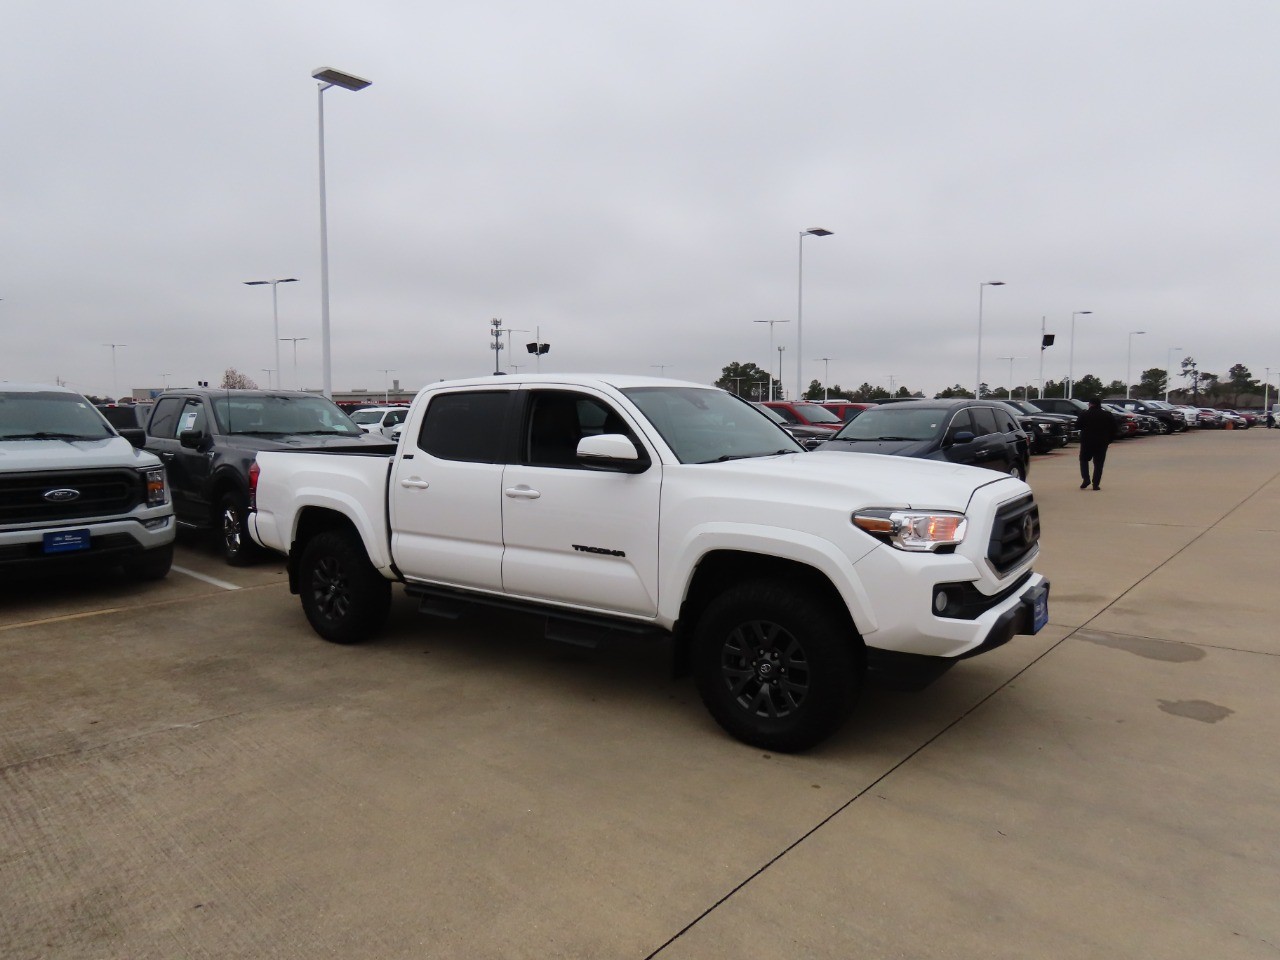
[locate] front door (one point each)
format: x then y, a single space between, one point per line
575 533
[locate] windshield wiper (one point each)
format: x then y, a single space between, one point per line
46 435
895 438
326 433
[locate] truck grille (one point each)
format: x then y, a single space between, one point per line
98 493
1014 535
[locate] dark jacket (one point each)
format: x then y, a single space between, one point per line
1096 427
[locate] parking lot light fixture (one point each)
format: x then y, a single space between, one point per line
811 232
275 314
328 77
977 385
1071 355
297 384
778 378
1168 372
1128 368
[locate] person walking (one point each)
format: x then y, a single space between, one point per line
1096 427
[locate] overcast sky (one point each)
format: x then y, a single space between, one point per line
632 180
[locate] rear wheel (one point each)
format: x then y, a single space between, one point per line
238 548
345 599
777 664
1018 471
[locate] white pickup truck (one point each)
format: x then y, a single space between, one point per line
646 505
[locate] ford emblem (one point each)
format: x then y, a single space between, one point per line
62 495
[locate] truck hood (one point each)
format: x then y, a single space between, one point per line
316 441
865 480
25 455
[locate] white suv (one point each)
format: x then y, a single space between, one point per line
380 420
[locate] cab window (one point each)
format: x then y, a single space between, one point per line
465 426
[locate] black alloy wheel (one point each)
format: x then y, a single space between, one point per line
344 598
777 664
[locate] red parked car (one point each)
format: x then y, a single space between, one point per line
807 412
846 410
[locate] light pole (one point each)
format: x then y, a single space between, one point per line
268 371
779 377
826 374
1128 366
165 378
1266 390
328 77
1071 355
977 386
275 313
811 232
1024 389
386 392
893 382
661 368
1168 371
782 394
115 382
297 384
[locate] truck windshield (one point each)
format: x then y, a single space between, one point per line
265 413
49 415
704 425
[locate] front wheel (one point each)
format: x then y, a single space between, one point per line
777 664
345 599
1018 471
154 564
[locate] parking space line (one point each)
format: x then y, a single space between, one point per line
207 579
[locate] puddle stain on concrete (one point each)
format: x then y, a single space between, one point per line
1201 710
1167 650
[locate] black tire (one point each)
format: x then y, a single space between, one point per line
1017 470
238 548
154 564
777 664
345 599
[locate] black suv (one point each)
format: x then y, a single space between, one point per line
1171 420
981 433
208 439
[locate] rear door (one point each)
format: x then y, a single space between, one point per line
996 449
445 498
573 533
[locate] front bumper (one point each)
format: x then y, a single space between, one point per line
108 539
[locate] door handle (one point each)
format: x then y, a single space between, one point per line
522 493
414 483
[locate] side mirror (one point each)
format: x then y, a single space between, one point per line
612 451
963 436
191 439
135 435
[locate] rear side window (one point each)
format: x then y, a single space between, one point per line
984 421
164 419
466 426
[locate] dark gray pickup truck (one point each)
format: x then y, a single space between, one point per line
208 438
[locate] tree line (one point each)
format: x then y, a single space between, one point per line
751 382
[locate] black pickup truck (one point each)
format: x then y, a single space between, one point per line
208 438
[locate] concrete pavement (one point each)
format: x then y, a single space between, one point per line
187 771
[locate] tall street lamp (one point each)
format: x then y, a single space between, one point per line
328 77
275 314
115 383
811 232
782 394
826 375
297 384
268 371
1071 356
386 391
1024 388
977 385
1168 371
779 377
1128 367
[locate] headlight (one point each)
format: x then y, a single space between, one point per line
157 494
913 530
